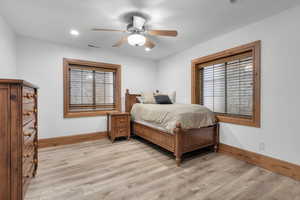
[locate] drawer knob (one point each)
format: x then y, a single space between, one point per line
27 155
27 176
28 134
27 113
28 95
34 161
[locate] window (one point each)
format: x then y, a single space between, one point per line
228 83
90 88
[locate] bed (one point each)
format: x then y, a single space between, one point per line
180 140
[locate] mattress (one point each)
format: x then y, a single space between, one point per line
153 125
166 116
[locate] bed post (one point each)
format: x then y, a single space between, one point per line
217 135
178 143
126 101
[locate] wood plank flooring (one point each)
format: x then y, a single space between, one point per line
136 170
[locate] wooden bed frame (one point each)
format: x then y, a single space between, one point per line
182 141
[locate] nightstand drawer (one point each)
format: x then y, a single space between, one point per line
122 121
122 132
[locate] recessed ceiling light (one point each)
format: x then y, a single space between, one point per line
148 49
74 32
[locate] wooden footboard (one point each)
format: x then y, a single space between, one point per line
181 141
196 138
163 139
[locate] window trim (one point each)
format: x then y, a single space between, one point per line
255 47
66 65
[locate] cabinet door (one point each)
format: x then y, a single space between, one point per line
4 142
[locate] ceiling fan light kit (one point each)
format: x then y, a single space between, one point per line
137 31
136 39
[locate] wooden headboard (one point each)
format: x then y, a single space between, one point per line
130 99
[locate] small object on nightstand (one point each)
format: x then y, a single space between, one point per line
118 125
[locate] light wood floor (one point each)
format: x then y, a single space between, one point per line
135 170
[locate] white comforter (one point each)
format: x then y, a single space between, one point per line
167 115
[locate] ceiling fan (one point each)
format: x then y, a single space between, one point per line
137 32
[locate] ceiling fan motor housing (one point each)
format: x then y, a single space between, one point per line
132 29
137 25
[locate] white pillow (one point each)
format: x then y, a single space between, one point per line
148 98
140 99
172 96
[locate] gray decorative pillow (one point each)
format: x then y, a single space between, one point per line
172 95
162 99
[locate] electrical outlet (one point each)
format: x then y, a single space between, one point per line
262 146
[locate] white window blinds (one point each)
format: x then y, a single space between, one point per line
226 85
91 89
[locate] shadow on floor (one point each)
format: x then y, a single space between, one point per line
186 156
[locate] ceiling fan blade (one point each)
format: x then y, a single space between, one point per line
105 29
170 33
149 43
120 42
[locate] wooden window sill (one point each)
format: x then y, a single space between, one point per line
88 113
239 120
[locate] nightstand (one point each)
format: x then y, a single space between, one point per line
118 125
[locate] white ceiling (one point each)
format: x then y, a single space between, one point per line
195 20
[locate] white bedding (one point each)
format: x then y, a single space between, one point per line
167 115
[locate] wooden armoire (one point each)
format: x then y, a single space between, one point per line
18 137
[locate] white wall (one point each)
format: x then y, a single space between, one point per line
7 51
41 63
280 92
